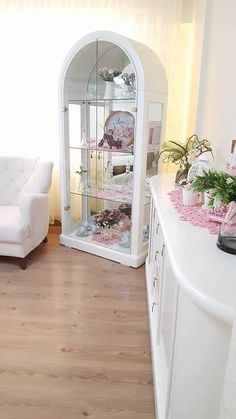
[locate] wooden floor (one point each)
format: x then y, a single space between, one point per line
74 338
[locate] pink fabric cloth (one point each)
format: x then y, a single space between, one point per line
195 215
102 240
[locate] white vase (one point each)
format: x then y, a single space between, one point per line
189 197
109 90
202 164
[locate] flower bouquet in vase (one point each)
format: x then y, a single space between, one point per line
108 75
108 220
184 155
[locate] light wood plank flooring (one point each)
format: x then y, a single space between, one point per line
74 339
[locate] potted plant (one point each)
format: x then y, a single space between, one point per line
184 155
220 185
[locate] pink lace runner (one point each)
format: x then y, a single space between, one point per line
196 215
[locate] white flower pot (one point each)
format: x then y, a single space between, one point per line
207 197
109 90
189 197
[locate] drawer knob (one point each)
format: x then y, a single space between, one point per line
153 305
156 279
162 250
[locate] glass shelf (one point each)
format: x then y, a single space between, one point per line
108 195
92 239
101 221
96 148
96 101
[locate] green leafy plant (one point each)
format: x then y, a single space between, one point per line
185 154
221 185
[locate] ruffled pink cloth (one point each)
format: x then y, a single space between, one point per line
99 238
195 215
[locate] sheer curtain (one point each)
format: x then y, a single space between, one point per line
35 37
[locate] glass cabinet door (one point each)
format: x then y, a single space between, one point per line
101 144
155 114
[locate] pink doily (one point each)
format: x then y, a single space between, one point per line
99 238
196 215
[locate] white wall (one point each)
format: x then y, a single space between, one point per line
33 45
216 114
35 37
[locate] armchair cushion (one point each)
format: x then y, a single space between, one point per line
12 228
34 211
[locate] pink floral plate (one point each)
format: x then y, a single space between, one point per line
119 130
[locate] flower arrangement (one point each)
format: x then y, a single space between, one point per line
129 79
185 154
108 74
221 185
125 209
107 218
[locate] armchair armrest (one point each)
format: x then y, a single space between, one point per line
34 210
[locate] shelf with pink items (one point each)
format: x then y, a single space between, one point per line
100 241
106 223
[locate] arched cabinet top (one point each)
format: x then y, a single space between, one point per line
110 48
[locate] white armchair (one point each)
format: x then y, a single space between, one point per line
24 205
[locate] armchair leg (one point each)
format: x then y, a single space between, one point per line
45 240
22 263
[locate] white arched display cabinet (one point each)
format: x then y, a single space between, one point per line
109 145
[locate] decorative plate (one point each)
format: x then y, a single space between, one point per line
119 130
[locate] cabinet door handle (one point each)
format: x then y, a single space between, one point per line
162 250
157 253
157 229
153 305
156 279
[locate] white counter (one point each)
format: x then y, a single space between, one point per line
191 291
206 272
